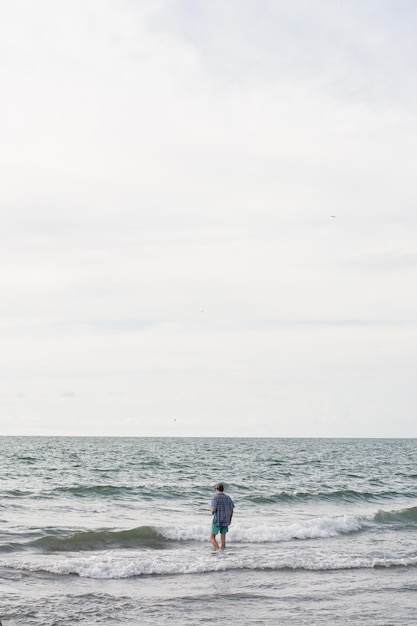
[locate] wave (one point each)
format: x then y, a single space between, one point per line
109 566
403 516
319 528
156 551
157 538
165 493
341 495
114 492
16 493
95 491
141 537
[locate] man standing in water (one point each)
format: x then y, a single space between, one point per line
222 508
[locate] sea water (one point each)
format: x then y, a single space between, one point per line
116 531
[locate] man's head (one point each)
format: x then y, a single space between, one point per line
219 487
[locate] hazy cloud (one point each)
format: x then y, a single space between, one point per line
162 158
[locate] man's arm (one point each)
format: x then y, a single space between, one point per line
213 504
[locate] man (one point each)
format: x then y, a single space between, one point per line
222 508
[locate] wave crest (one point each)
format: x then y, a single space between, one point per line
158 537
402 516
109 566
143 536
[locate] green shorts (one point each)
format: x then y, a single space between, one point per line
218 529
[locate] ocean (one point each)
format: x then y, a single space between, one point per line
116 531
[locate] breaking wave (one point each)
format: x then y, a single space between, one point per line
150 537
110 566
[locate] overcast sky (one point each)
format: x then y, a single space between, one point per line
208 217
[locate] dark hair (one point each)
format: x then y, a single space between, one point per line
219 487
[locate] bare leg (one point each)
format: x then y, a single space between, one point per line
223 540
214 541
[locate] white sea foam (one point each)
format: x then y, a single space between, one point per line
321 527
111 566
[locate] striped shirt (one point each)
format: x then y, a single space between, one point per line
223 506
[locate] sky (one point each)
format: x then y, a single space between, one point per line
208 218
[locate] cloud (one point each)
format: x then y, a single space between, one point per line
163 158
